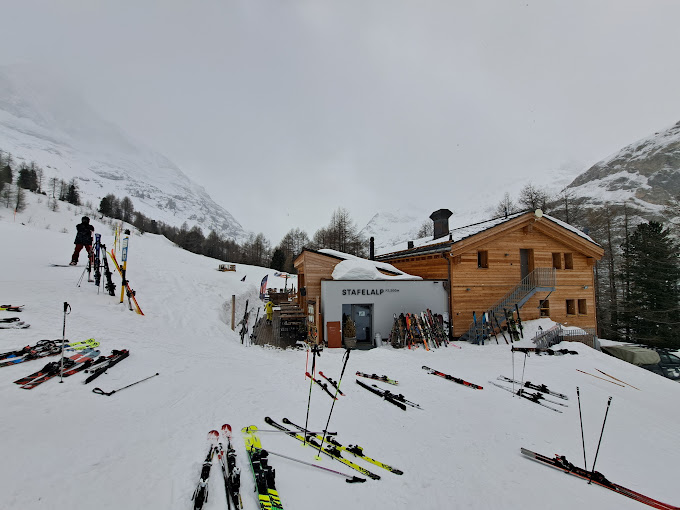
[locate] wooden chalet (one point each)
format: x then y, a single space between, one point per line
537 262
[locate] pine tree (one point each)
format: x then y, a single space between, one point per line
652 303
278 259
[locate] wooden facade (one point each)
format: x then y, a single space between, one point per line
487 265
312 267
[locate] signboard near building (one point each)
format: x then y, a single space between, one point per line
372 304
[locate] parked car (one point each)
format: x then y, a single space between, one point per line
659 361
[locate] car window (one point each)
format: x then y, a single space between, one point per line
673 359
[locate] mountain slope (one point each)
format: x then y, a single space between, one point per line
42 121
645 173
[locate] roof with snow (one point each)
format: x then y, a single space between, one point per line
357 268
443 244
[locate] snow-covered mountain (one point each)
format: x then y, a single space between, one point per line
45 122
644 174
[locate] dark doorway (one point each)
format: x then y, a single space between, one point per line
526 261
362 315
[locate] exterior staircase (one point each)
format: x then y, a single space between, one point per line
541 279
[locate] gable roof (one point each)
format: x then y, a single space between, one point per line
462 237
388 270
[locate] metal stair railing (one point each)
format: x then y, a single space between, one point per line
541 279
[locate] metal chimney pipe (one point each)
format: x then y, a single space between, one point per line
441 222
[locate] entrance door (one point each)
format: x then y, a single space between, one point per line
362 315
526 261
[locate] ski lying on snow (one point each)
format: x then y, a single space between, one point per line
321 385
381 378
200 495
263 474
329 450
538 387
332 383
536 398
355 450
451 378
230 472
14 325
560 462
397 399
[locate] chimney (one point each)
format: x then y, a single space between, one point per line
441 222
409 245
371 248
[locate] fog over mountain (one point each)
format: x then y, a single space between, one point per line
45 122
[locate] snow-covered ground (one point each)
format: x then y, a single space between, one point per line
142 448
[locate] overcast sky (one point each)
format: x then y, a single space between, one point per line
306 106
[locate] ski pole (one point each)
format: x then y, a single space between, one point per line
592 472
276 431
348 478
337 389
583 441
315 351
99 391
67 310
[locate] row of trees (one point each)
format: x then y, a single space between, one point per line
637 280
31 177
340 234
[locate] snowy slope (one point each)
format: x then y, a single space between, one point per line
44 122
68 448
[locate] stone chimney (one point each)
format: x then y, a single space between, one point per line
371 248
441 222
409 245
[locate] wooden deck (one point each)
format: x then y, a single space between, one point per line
271 334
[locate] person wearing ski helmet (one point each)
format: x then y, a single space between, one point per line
83 239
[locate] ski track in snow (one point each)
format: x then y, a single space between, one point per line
143 448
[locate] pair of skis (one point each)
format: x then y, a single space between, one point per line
560 462
536 398
72 364
13 323
542 350
41 349
263 474
538 387
329 450
321 384
452 378
381 378
104 364
355 450
230 473
12 308
397 399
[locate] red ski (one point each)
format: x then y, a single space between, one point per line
560 462
451 378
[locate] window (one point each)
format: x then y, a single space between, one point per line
557 260
568 261
571 307
545 308
483 259
582 307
